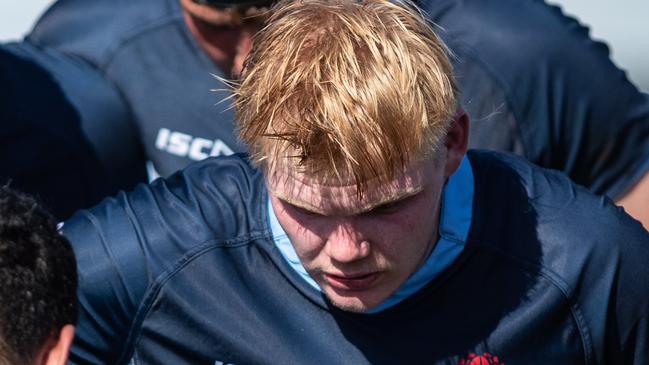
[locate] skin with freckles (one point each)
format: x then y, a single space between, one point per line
361 249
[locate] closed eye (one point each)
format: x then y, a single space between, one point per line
392 207
300 210
386 208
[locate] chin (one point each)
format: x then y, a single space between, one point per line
355 304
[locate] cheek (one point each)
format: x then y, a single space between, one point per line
305 237
406 234
391 235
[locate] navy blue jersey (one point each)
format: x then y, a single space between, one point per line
51 144
145 48
534 83
185 271
527 74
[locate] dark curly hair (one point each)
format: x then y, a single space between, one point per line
38 278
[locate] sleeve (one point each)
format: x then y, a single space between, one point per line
94 30
88 29
535 83
128 246
114 274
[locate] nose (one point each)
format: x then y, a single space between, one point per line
345 244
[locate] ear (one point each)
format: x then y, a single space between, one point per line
56 350
457 141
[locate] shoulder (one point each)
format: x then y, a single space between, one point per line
532 31
128 247
579 240
95 29
539 223
567 210
215 201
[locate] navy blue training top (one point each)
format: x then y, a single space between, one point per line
145 48
532 81
186 271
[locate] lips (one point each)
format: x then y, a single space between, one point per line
356 282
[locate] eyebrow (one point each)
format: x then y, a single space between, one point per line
394 199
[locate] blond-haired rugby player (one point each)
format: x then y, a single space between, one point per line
358 230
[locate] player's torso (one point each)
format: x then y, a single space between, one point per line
239 308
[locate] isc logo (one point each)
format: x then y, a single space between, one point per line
184 145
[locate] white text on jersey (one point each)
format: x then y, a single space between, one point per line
185 145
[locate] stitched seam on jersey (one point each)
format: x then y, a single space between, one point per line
550 275
126 351
263 213
154 289
563 287
95 223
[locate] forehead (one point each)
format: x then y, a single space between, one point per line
342 199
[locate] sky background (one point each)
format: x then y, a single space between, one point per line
622 24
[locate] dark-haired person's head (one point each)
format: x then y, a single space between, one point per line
38 281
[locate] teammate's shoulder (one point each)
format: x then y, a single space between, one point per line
95 29
517 40
516 21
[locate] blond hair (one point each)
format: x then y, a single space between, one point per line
337 88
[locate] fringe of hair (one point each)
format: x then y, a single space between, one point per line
340 88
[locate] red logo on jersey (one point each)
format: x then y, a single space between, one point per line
484 359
